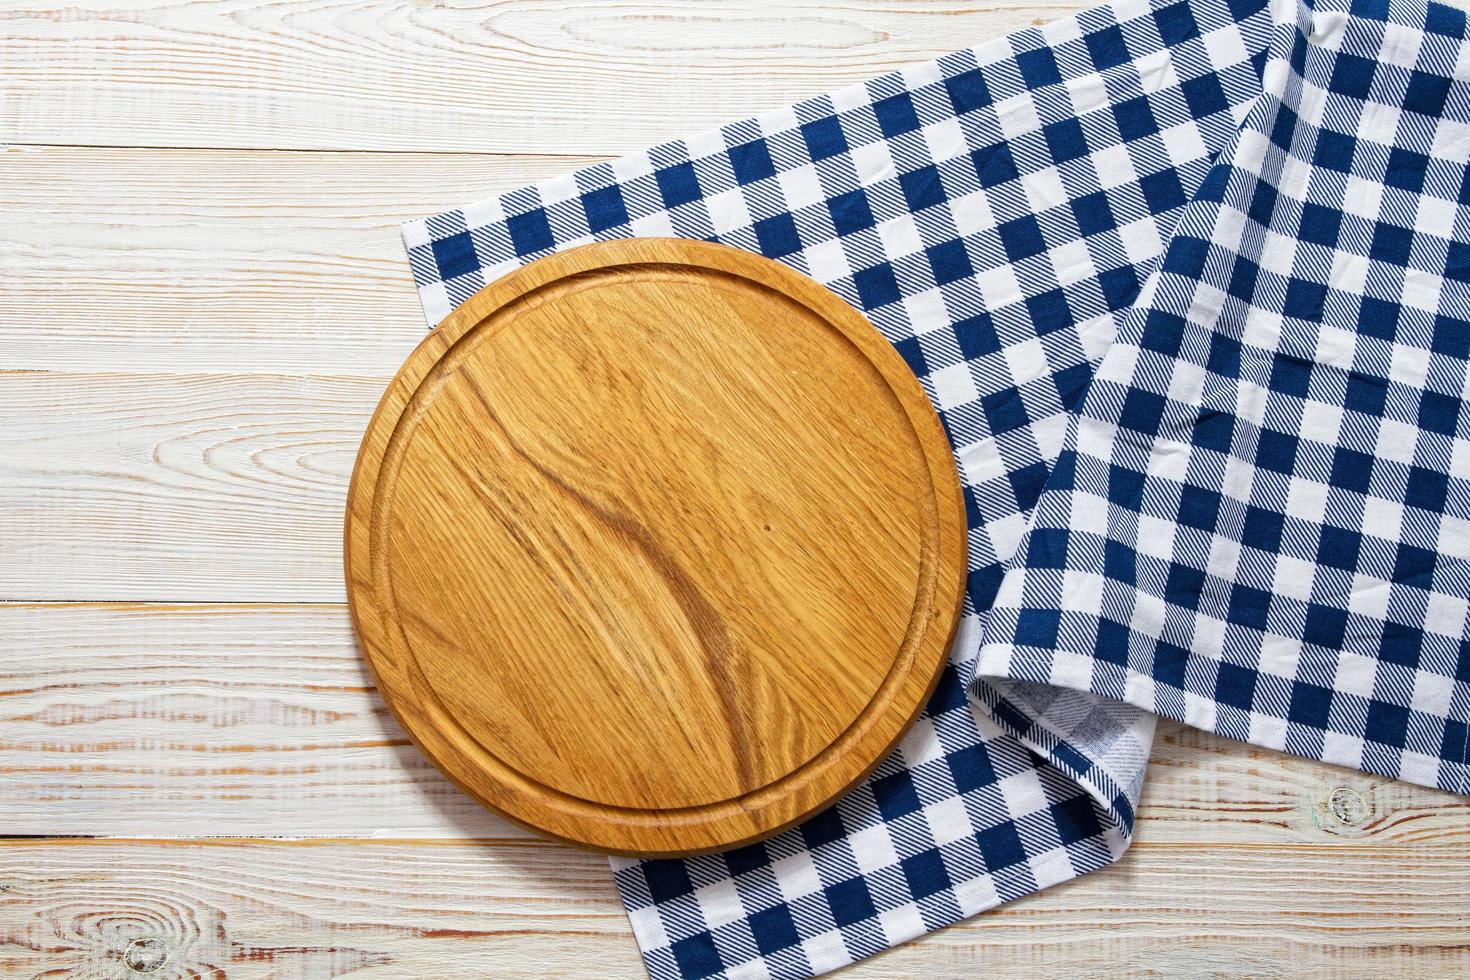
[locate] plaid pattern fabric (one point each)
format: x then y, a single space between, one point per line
1260 522
962 817
995 213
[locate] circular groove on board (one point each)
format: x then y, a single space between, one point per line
655 546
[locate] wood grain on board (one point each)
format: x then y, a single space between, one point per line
655 546
513 76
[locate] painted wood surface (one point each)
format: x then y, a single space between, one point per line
513 76
176 487
193 329
187 261
411 910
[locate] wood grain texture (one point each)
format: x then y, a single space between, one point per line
180 261
369 910
176 487
192 721
514 76
318 911
656 546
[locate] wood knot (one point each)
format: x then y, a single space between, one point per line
1345 811
147 954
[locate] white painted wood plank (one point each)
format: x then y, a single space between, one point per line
254 910
597 76
200 721
312 912
223 261
191 721
176 487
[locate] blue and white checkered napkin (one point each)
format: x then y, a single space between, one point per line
1248 222
1259 523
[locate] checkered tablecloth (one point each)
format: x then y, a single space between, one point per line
1192 275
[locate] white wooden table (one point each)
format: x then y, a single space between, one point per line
202 293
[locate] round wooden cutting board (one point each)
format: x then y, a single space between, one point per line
655 546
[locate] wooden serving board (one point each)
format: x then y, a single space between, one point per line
655 546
